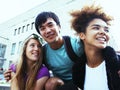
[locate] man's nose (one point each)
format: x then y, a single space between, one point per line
48 29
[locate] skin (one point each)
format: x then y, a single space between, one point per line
50 33
33 53
95 39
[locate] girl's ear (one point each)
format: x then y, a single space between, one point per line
82 36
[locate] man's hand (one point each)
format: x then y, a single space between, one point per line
7 75
53 83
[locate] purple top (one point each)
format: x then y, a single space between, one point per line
43 71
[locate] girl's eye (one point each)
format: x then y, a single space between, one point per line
32 45
39 46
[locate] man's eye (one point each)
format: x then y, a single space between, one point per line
96 28
106 30
42 28
50 25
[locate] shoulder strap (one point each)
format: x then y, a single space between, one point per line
44 54
72 55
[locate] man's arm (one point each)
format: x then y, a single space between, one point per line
7 75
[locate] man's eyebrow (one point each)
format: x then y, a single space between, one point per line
46 24
49 22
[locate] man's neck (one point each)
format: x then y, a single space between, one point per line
57 44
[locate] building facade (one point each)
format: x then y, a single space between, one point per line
15 30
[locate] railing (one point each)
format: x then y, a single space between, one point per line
4 86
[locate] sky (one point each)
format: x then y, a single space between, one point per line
112 8
12 8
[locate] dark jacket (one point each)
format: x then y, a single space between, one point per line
112 62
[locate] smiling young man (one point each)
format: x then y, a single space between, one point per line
56 58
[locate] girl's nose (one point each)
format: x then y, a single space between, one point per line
36 47
102 31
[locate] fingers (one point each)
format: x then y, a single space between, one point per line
60 82
7 75
7 79
53 83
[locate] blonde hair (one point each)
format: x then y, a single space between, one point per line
21 68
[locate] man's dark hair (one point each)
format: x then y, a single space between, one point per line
42 18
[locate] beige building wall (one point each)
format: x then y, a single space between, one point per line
13 28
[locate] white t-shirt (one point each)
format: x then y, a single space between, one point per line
96 78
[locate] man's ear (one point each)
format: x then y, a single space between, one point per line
59 27
82 36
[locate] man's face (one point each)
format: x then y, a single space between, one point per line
49 30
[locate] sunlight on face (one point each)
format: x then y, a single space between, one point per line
113 11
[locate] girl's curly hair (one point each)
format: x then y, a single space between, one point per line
81 18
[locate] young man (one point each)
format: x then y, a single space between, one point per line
57 60
48 26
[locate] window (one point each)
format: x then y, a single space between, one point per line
13 49
28 27
2 50
19 46
19 30
23 28
32 25
15 32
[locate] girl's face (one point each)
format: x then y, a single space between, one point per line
33 50
96 35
